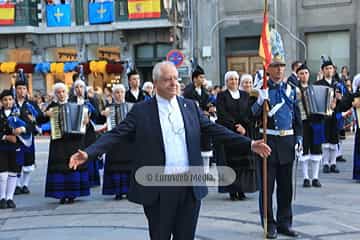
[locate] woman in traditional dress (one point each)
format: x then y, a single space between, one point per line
80 97
234 112
62 182
117 162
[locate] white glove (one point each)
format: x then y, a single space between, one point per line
263 95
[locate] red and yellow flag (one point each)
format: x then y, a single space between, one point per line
139 9
265 45
7 14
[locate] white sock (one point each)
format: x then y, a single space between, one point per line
332 156
3 183
19 180
326 156
305 169
338 150
315 169
26 178
206 164
11 185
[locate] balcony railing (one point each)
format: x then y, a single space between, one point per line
26 13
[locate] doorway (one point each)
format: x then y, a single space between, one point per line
244 64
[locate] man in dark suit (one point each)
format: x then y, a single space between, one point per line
166 133
293 78
197 92
135 93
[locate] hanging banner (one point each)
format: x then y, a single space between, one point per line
277 46
7 14
101 12
58 15
140 9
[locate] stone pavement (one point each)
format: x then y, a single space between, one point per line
330 213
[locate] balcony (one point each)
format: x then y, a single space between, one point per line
18 13
27 22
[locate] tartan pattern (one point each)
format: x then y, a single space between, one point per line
356 170
116 183
70 185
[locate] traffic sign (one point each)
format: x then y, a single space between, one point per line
175 56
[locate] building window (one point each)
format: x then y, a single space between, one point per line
241 45
333 44
145 51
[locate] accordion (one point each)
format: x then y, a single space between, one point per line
317 100
117 114
68 118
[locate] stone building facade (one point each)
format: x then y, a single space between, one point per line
229 32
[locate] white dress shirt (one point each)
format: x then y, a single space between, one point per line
80 100
135 93
173 133
7 112
198 90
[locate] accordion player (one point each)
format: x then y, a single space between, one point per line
117 113
317 100
68 118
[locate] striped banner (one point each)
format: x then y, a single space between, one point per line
140 9
7 14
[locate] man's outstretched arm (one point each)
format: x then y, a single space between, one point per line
107 141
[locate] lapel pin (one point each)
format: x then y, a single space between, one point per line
184 105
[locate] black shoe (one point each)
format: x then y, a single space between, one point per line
233 196
18 190
240 196
118 197
340 159
10 204
71 200
326 169
287 232
25 190
306 183
3 204
316 183
271 233
334 169
62 201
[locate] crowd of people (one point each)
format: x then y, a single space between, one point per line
293 133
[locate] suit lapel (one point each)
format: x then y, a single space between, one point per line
186 115
155 122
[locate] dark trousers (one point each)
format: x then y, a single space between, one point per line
282 175
174 214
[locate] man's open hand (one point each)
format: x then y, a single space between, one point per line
261 148
77 159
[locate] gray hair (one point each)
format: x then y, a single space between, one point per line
81 83
147 84
118 86
58 86
230 74
156 73
244 77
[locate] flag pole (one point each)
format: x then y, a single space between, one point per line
264 162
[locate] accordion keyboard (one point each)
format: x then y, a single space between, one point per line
55 123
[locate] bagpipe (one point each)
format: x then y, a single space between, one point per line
15 122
